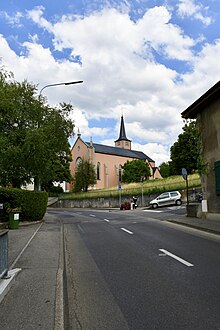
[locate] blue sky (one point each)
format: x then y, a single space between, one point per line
145 59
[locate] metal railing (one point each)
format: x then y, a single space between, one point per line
3 253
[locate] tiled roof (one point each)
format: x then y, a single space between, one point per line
103 149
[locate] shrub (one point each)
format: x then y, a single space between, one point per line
55 191
33 204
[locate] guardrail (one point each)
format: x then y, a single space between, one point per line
3 253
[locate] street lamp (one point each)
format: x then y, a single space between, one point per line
38 185
63 83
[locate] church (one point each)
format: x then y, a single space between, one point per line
108 161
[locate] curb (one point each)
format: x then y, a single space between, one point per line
212 231
5 284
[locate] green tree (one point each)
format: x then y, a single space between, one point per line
33 136
165 169
134 170
85 176
185 152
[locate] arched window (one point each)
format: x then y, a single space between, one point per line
120 173
78 160
98 171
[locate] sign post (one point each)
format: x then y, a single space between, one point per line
185 177
119 190
142 191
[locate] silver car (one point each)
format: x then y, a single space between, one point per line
167 198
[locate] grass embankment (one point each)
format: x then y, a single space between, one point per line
149 187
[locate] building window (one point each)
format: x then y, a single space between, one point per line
118 143
98 171
120 173
126 143
78 148
78 160
217 177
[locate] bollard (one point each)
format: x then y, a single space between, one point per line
3 254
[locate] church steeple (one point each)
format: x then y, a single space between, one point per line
123 141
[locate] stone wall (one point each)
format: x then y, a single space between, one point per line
115 202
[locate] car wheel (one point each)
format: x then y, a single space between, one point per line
154 206
178 202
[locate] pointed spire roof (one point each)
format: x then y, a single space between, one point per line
122 134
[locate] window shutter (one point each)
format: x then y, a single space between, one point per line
217 176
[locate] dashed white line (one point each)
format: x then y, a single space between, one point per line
186 263
106 220
127 231
93 215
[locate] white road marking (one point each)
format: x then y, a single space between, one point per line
93 215
186 263
152 210
80 229
106 220
127 231
178 207
24 248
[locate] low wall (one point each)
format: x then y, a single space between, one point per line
115 202
103 202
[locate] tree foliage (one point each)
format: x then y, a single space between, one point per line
85 176
33 135
165 169
134 170
185 152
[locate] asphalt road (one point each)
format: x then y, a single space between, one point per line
134 270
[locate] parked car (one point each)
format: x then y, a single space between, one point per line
167 198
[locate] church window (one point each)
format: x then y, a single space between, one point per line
98 171
78 160
120 173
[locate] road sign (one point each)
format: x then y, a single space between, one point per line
119 187
184 173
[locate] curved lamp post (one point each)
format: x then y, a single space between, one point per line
63 83
37 185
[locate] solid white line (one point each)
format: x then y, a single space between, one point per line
24 248
127 231
80 228
106 220
59 306
186 263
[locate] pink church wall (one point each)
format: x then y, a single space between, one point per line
109 165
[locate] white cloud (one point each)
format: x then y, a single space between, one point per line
156 151
13 20
120 72
164 36
188 8
36 15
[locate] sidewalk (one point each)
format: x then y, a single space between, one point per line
31 302
212 226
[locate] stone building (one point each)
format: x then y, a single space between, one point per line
108 161
207 112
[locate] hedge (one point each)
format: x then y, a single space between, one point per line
32 204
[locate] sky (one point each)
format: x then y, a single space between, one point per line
147 60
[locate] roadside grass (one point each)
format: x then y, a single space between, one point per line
149 187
